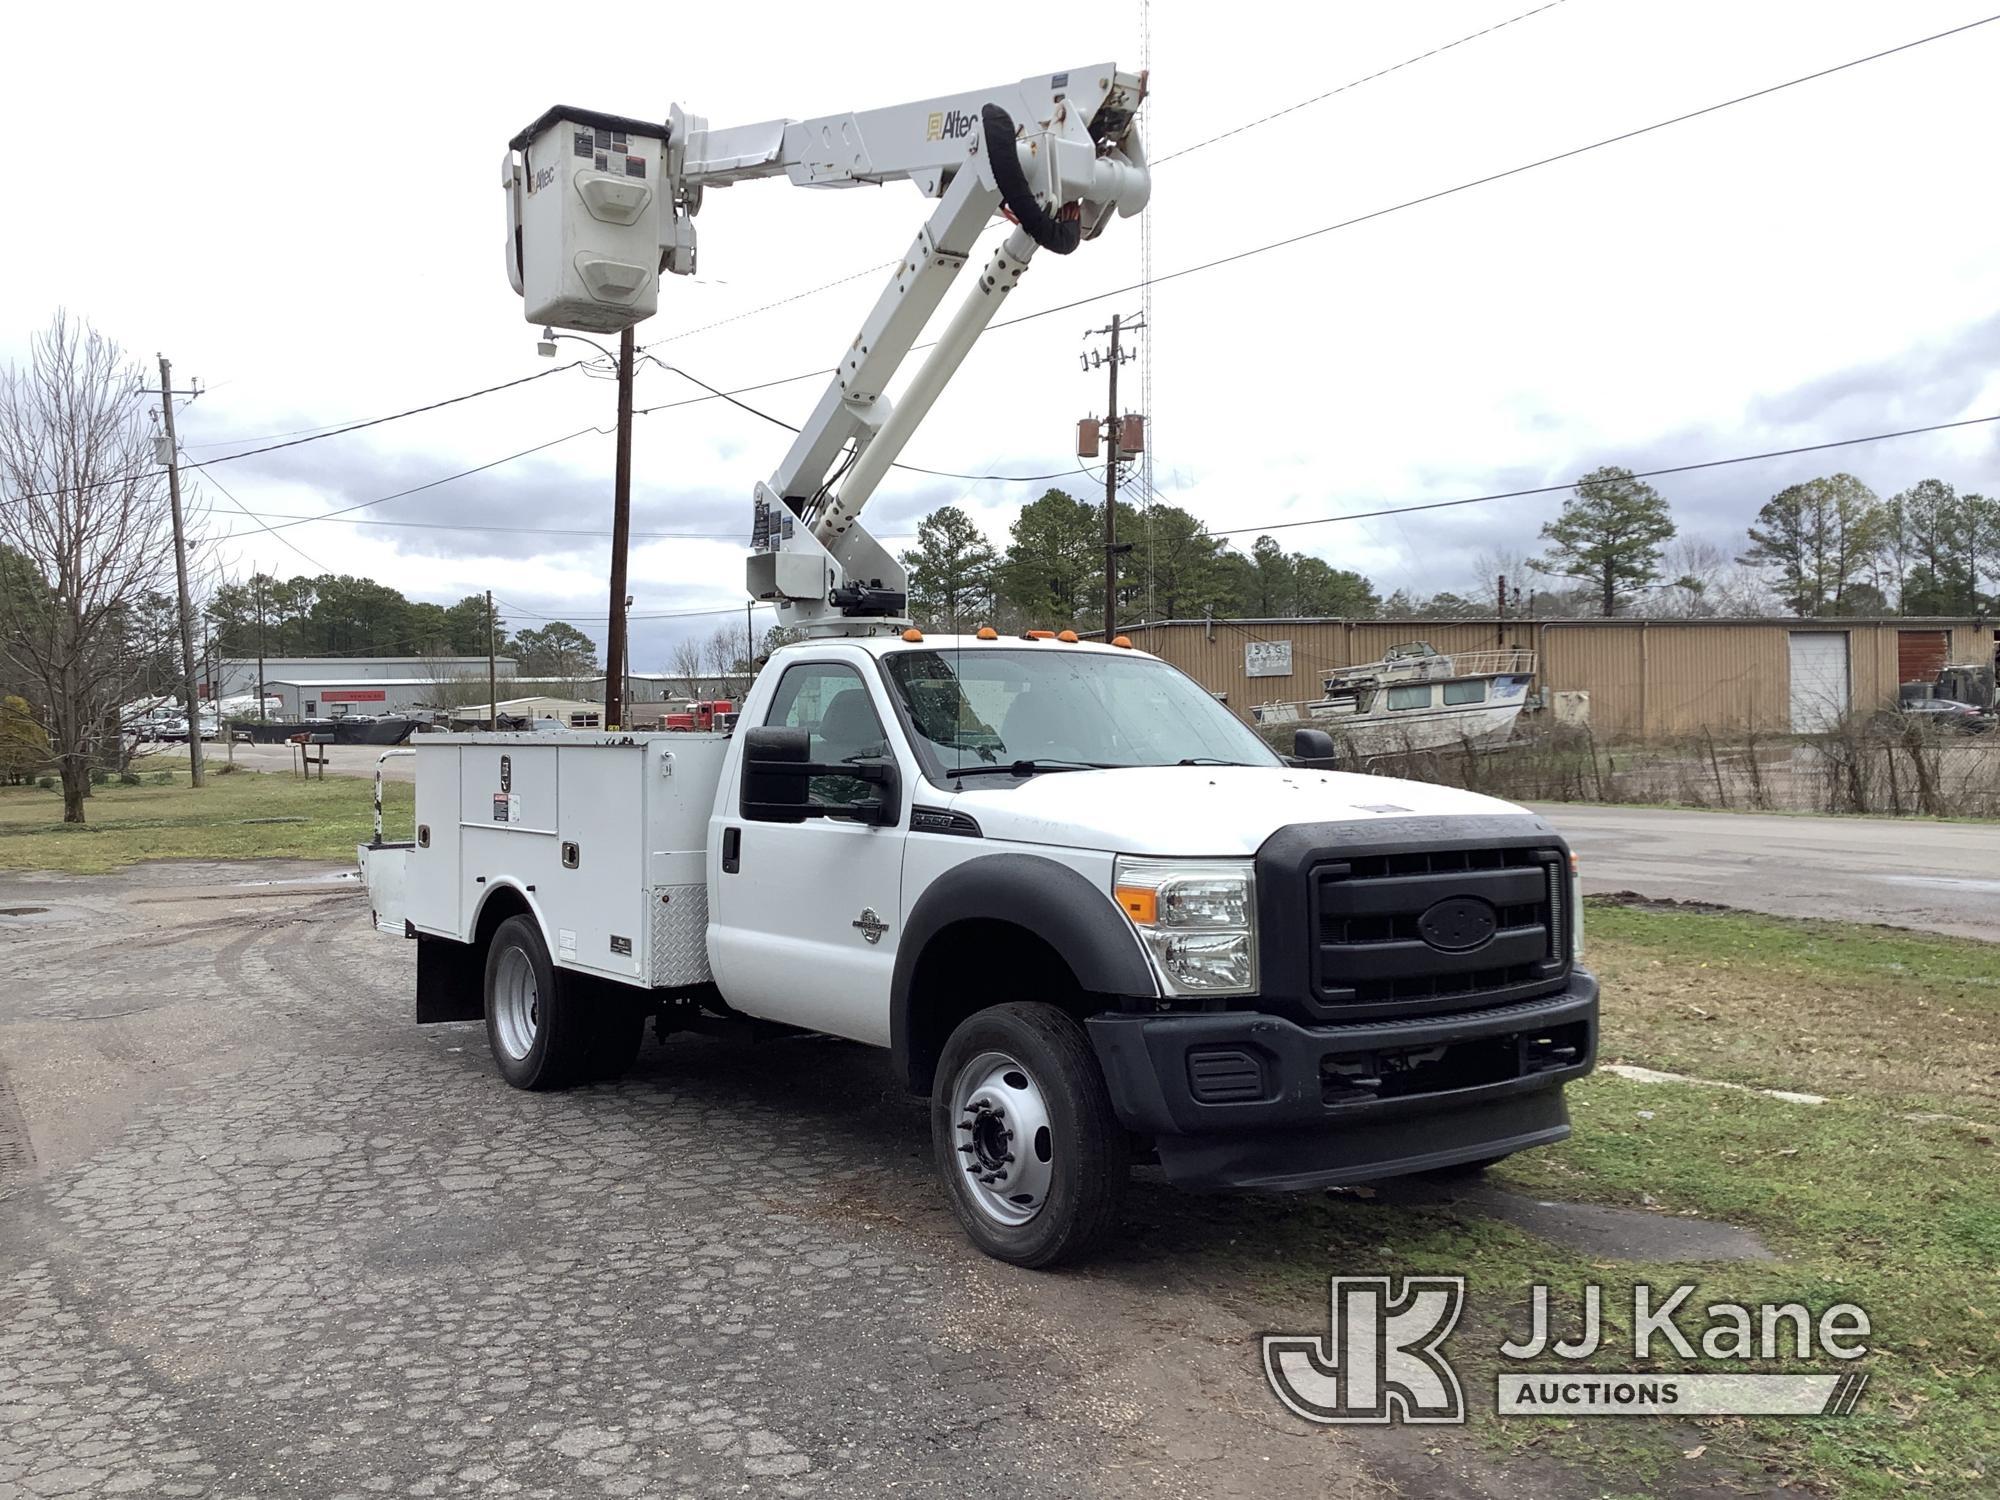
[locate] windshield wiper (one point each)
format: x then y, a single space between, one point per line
1031 768
1209 760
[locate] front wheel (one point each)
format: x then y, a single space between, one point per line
1032 1155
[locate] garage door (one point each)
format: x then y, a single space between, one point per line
1819 679
1919 654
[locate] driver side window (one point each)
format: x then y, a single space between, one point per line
829 702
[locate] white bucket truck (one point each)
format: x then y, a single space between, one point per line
1093 917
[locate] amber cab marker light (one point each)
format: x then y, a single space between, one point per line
1038 635
1123 642
988 633
1141 903
1067 637
913 634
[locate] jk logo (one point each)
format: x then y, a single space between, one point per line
1380 1360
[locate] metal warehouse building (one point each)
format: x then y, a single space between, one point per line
312 686
1646 679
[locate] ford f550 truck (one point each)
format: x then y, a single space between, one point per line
1090 914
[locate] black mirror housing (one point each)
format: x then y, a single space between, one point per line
776 774
1314 750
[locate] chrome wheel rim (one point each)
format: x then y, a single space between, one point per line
1004 1141
517 1009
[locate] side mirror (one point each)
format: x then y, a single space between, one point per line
776 774
777 781
888 804
1314 750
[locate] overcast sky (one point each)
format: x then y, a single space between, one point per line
301 206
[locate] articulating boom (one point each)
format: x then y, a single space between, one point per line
599 205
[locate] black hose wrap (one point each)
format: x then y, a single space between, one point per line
1050 231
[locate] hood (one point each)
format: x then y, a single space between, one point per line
1199 810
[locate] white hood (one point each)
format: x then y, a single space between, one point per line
1199 810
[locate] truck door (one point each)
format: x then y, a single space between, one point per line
806 914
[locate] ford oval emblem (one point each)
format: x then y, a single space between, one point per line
1459 924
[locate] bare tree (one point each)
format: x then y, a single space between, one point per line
86 534
687 660
1697 567
724 652
453 684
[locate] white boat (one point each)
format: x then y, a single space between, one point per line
1416 698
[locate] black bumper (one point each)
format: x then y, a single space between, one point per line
1246 1099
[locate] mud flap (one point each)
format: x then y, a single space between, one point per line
451 981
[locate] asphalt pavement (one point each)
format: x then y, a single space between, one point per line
262 1236
1940 877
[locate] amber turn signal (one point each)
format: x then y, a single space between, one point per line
1141 903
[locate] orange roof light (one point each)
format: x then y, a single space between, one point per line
1124 642
913 634
1038 635
988 633
1067 637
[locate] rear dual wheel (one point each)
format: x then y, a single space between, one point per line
548 1030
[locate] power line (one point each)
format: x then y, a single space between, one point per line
731 398
1492 177
1408 62
209 463
211 479
689 333
1556 489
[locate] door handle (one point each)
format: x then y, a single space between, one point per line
732 850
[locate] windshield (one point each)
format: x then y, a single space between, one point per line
1061 710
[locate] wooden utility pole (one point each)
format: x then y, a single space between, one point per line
492 669
1111 496
188 684
1087 447
257 579
621 532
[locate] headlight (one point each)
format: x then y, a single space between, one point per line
1197 919
1575 913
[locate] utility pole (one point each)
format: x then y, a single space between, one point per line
621 532
258 580
172 458
1113 550
492 669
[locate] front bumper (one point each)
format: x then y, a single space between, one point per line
1247 1099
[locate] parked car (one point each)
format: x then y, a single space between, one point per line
1948 714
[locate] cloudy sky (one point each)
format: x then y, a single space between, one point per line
301 206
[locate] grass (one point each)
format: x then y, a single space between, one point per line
232 817
1887 1196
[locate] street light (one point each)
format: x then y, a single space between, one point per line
621 518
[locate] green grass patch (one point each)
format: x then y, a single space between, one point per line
240 815
1862 1203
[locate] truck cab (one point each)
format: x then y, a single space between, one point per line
1094 918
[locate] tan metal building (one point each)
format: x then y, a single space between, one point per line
1646 679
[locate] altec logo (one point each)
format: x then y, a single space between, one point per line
948 126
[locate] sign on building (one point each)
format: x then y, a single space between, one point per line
1267 658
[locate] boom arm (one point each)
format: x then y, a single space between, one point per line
1058 152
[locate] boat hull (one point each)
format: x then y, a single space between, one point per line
344 731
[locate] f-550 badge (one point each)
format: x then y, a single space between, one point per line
869 925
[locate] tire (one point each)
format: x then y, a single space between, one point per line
533 1025
1017 1081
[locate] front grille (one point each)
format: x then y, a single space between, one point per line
1466 926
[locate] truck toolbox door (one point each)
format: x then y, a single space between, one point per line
803 927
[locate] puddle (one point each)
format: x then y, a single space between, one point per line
22 911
